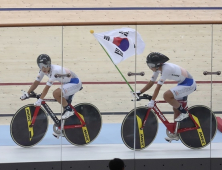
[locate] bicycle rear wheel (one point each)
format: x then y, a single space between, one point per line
144 137
196 139
85 135
21 133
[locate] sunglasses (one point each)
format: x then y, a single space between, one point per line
41 65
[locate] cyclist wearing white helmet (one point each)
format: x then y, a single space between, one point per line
186 84
70 86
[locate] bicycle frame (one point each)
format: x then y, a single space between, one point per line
170 126
54 117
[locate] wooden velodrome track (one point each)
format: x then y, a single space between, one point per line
108 15
190 46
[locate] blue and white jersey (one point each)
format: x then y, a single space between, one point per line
56 69
172 72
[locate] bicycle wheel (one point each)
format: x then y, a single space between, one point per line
85 135
197 139
143 138
21 133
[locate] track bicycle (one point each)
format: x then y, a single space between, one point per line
30 123
195 132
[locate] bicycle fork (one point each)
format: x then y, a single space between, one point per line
34 116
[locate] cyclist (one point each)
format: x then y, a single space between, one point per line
70 85
186 85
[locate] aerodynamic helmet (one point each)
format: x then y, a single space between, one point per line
44 60
155 59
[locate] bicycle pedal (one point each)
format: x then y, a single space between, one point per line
168 140
56 136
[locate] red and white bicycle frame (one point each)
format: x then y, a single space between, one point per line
53 116
172 127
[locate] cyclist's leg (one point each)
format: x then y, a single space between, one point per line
176 113
68 90
57 95
170 98
183 104
174 136
179 92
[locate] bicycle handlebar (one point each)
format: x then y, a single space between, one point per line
34 95
37 96
144 96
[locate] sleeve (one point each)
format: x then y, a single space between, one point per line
40 76
154 76
50 82
162 78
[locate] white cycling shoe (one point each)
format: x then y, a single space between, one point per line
181 117
67 114
170 139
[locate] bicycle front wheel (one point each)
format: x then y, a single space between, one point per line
143 137
84 135
205 118
21 133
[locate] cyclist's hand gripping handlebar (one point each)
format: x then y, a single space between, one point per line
24 96
31 95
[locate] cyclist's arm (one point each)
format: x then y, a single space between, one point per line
148 86
33 86
36 82
156 91
151 82
45 91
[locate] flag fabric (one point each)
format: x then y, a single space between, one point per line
121 43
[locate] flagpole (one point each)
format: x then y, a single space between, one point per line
118 69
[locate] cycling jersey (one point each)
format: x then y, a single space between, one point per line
172 72
56 69
70 85
186 83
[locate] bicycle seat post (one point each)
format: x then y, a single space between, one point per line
177 124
